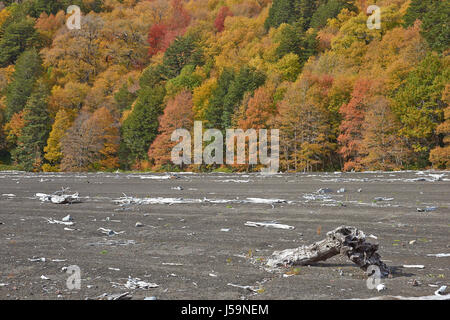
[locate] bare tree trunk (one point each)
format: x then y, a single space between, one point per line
344 240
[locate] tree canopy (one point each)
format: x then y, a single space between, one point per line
107 96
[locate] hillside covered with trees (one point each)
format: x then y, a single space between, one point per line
108 96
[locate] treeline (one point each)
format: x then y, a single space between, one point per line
109 96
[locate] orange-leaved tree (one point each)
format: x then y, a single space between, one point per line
353 114
177 115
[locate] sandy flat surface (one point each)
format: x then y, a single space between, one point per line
194 241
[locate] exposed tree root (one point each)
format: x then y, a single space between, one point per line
345 240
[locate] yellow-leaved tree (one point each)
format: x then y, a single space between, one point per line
53 153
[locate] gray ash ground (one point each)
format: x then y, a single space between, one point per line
181 247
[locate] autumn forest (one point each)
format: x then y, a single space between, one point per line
109 95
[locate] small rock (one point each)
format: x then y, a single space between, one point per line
415 283
150 298
139 225
324 190
382 199
427 209
441 290
67 218
35 259
412 241
381 287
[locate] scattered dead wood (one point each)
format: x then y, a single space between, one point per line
59 197
438 295
345 240
117 296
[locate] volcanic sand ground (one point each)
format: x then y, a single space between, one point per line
190 235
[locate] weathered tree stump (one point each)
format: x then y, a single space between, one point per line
345 240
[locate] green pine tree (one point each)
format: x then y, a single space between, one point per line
30 146
124 98
16 37
292 39
292 11
229 93
329 10
417 10
141 127
28 69
153 76
214 111
289 41
247 80
435 26
281 11
182 51
47 6
304 11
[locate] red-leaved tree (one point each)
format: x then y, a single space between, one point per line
161 35
223 13
156 37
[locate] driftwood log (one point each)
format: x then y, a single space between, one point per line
345 240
